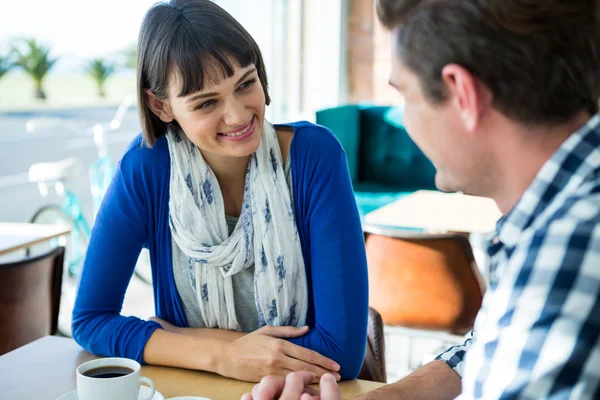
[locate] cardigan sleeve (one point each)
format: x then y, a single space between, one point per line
334 248
119 232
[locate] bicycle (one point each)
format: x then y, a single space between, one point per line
60 174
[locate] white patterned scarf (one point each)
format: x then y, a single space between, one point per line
266 233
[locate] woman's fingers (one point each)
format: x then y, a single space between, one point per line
310 356
298 365
283 332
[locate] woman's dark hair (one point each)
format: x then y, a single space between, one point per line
539 58
197 40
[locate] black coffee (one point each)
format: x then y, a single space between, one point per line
108 372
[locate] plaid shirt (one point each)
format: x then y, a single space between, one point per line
538 330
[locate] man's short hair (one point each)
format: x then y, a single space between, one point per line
540 59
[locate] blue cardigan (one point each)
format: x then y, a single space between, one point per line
135 214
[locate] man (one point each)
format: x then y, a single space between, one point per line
502 96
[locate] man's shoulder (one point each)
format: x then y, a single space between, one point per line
579 209
572 228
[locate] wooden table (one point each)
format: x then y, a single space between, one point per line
436 212
16 236
45 370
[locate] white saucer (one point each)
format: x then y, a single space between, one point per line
144 392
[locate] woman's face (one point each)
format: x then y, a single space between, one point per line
226 117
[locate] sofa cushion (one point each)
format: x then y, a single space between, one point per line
388 156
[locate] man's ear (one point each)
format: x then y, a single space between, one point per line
466 94
160 108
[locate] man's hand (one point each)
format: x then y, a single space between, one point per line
295 387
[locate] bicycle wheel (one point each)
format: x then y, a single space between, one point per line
143 268
75 243
76 246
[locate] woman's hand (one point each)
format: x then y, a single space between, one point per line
265 352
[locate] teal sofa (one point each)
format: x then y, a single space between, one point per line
384 162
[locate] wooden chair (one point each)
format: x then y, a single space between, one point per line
30 292
421 281
373 368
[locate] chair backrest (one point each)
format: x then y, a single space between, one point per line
373 368
423 281
30 292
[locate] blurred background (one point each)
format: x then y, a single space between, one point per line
69 64
67 94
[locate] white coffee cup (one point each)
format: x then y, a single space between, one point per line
125 387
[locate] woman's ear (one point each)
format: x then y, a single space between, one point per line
159 107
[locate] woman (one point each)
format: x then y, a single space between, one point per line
255 241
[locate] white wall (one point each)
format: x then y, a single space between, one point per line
258 16
324 79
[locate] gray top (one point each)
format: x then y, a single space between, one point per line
243 282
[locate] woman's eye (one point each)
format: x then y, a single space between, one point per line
247 84
207 103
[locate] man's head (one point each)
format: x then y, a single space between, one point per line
467 69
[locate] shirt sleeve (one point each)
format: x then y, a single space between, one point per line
455 355
338 267
119 232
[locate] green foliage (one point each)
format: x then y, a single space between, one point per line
5 65
100 70
34 58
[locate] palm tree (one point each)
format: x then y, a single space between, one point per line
35 60
5 65
100 71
